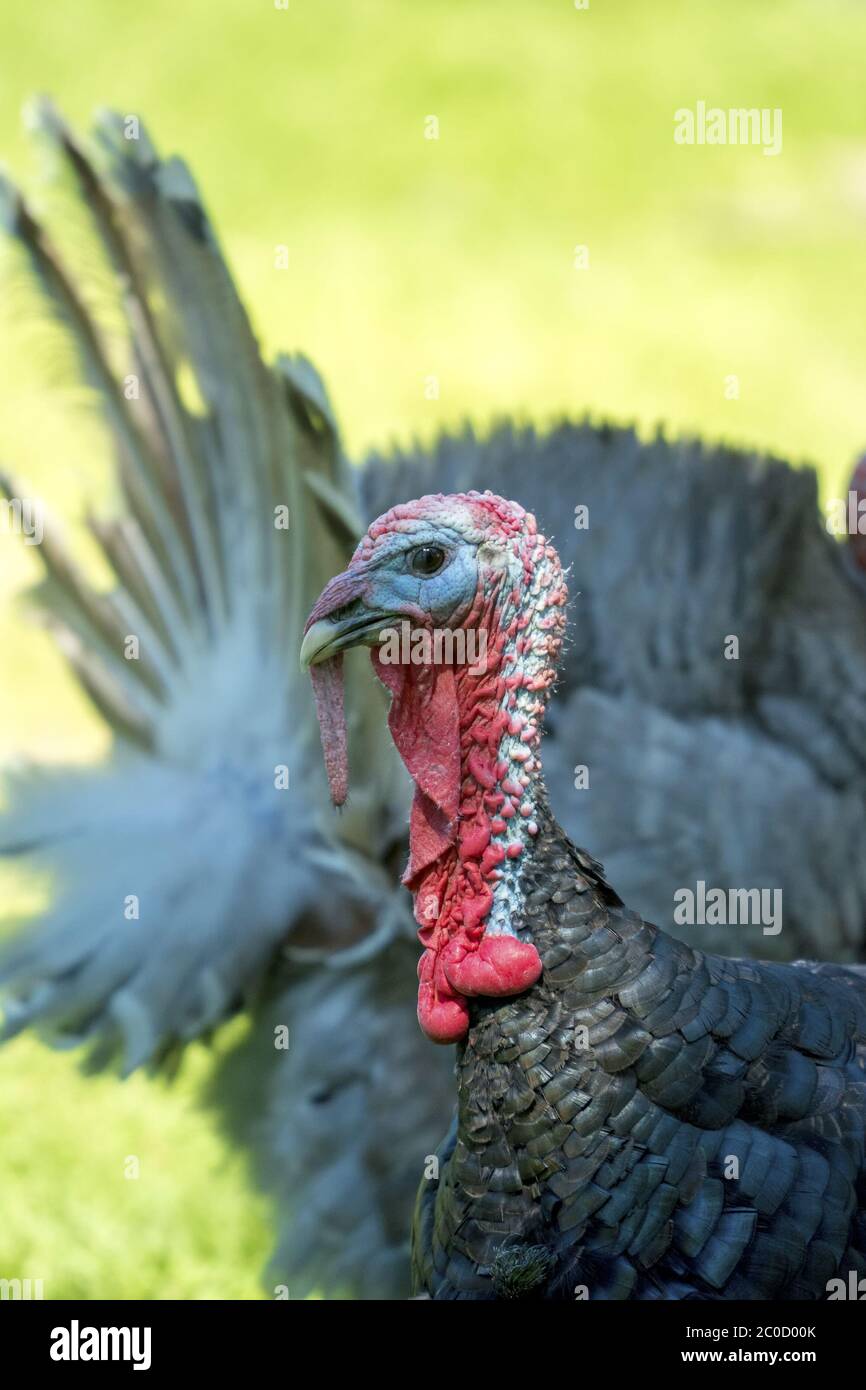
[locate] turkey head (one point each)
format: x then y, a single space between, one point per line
463 603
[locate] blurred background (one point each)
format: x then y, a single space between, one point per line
411 258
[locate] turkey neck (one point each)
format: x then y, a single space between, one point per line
531 1094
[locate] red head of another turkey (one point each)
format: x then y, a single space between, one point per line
468 731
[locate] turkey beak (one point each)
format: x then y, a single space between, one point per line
326 637
341 619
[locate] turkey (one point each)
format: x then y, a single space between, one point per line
236 504
636 1119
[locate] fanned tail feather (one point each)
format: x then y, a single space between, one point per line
206 842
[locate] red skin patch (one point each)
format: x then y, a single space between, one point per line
447 728
496 966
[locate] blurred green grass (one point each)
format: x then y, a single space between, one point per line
411 258
186 1227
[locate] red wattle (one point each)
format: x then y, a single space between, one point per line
500 965
442 1014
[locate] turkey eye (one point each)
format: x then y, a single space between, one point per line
427 559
